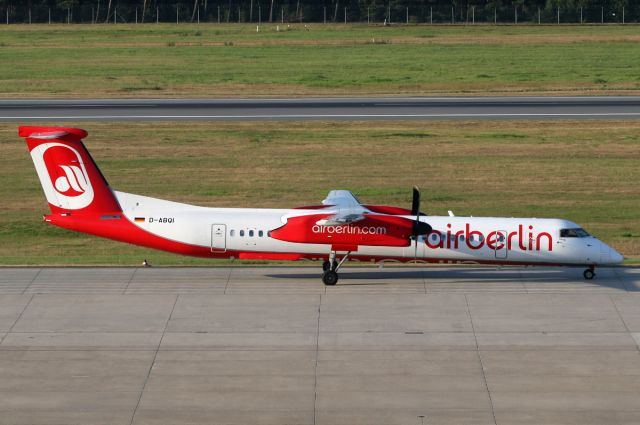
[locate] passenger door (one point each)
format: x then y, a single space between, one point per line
501 250
218 238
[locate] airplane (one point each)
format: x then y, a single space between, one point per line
341 228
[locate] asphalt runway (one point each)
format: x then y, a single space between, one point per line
273 345
384 108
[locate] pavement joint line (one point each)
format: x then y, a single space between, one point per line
153 361
522 281
424 279
226 285
315 368
130 280
17 319
484 376
32 280
613 301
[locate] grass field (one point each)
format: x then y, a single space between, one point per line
234 60
586 171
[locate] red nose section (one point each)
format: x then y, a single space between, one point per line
375 230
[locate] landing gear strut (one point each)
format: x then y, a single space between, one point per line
590 273
330 268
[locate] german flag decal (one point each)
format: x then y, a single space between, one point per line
139 219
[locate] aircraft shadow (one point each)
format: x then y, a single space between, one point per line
608 277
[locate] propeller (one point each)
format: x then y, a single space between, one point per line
419 228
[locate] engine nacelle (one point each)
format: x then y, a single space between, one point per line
374 230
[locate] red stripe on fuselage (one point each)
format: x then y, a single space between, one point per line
123 230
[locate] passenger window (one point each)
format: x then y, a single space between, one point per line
260 233
241 232
461 238
232 232
501 238
251 233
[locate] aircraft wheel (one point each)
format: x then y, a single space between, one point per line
589 274
330 278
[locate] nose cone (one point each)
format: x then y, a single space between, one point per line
608 255
615 257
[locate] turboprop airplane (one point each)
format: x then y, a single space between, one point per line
338 229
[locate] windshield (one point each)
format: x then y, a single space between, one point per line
573 233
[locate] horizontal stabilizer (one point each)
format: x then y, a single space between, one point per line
48 133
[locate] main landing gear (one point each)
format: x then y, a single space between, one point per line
330 268
590 273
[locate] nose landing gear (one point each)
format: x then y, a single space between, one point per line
327 265
590 273
330 268
330 278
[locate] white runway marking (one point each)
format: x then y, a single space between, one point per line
328 116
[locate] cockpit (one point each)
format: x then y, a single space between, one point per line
574 233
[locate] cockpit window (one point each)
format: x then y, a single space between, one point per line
573 233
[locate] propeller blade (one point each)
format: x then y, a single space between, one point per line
415 210
419 228
415 205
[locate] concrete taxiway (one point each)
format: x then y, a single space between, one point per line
348 108
273 345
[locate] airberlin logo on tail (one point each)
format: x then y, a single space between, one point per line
63 175
73 179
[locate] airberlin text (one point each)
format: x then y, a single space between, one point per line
524 240
350 230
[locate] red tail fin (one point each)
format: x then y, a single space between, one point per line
69 177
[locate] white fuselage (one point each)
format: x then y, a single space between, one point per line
453 239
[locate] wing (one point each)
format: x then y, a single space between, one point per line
350 210
342 199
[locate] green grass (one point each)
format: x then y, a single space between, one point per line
233 60
585 171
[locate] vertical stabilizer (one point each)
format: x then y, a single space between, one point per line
71 180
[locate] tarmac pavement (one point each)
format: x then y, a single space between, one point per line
273 345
